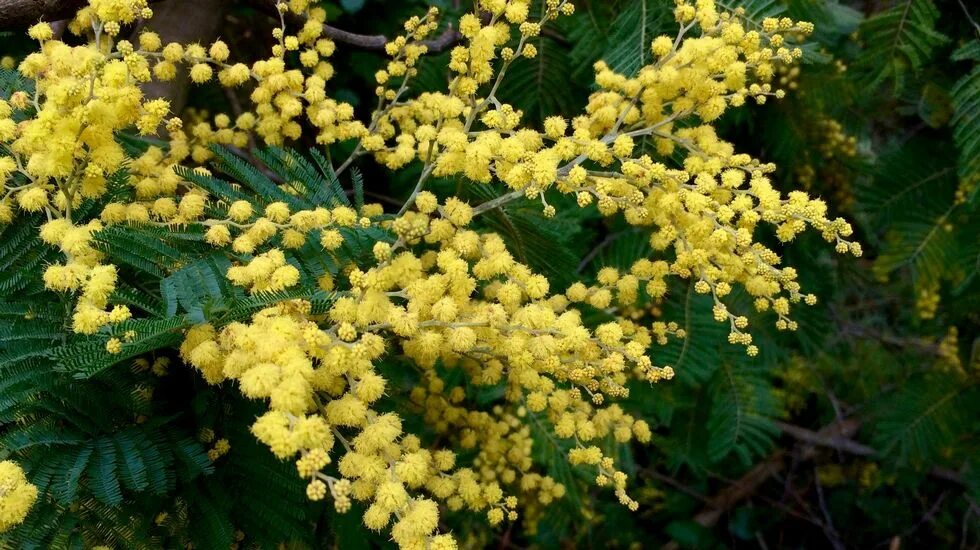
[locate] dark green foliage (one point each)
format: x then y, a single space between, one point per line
539 86
898 41
911 200
620 34
742 406
916 425
965 97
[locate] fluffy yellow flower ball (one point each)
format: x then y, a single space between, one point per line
17 495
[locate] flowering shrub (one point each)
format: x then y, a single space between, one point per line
276 285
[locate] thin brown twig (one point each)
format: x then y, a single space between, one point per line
444 41
829 530
747 485
966 12
833 440
928 516
59 27
964 531
675 484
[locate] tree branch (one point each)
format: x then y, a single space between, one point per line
833 440
840 440
447 39
16 14
23 13
836 435
748 484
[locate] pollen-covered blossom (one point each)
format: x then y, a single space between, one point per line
705 211
65 152
466 303
17 495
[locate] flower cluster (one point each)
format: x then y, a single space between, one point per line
17 495
466 304
66 152
706 211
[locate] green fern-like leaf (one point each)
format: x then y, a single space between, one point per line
315 184
103 473
632 32
742 408
324 167
755 10
914 178
357 181
197 286
695 357
965 97
540 86
11 81
925 245
132 467
135 298
968 51
242 309
88 356
923 418
911 199
831 19
148 250
277 508
246 174
66 490
899 39
213 185
22 256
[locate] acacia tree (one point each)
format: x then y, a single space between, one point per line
195 303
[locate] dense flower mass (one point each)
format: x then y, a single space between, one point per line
438 289
16 495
